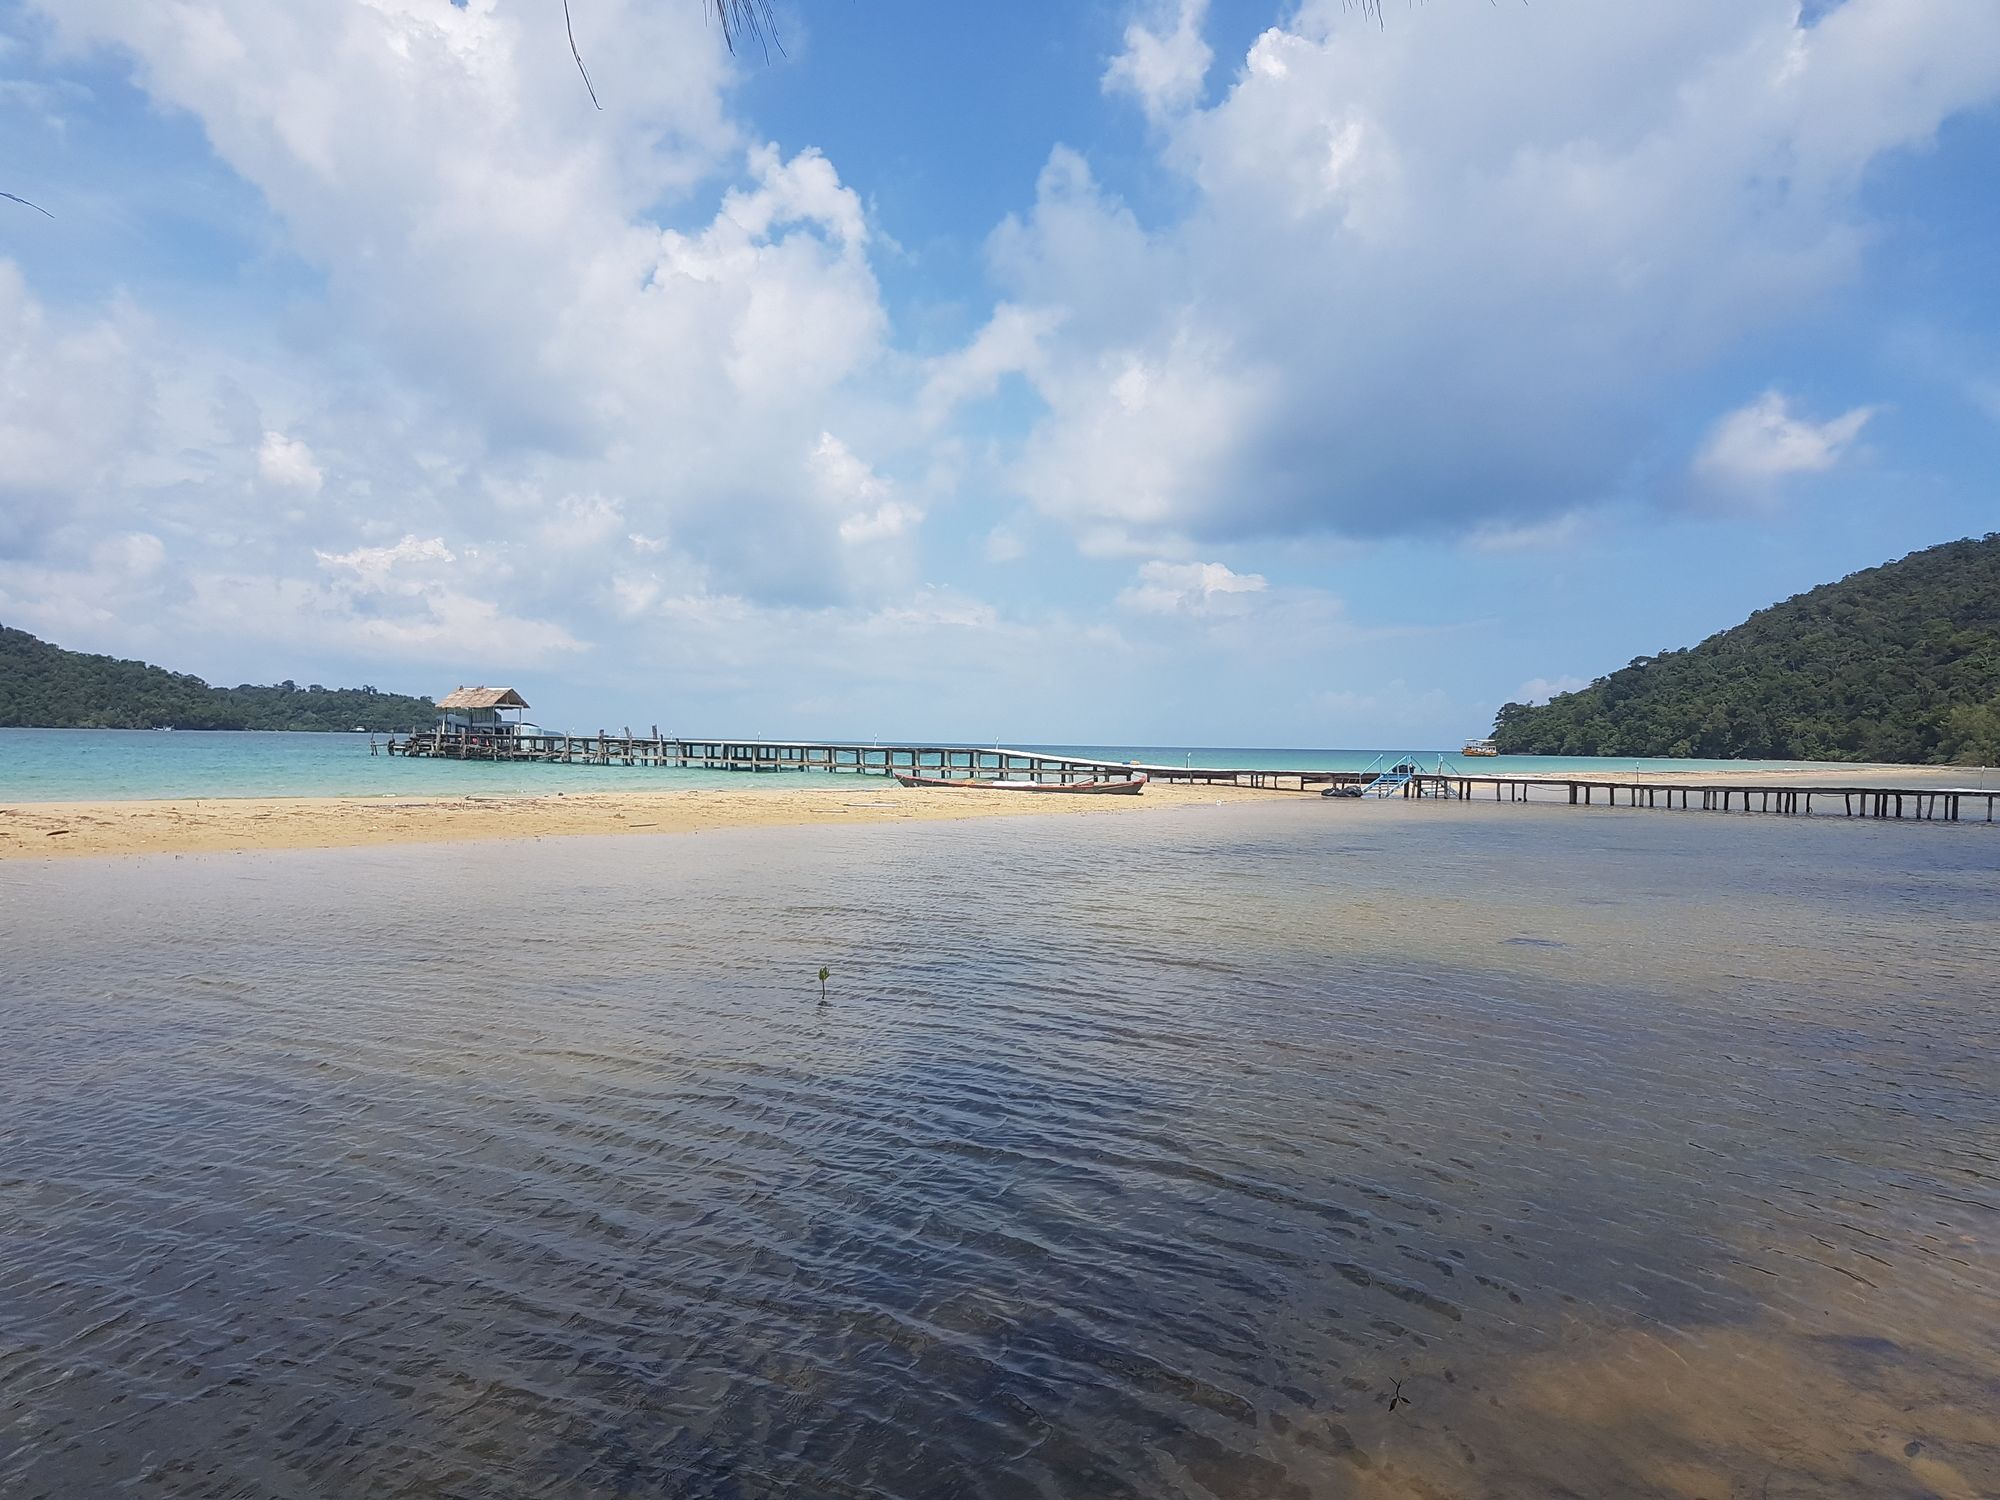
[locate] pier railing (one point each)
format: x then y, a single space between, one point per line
968 762
704 754
1920 803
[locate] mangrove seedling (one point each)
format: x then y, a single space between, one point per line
824 974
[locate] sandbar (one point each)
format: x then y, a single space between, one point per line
41 830
206 825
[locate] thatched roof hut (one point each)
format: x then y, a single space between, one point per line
481 709
482 697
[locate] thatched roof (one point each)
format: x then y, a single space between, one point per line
483 697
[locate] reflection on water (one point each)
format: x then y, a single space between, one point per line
1294 1151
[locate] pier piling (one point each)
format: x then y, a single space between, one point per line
1942 804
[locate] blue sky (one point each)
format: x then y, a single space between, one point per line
1157 372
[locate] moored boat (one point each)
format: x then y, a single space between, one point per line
1130 787
1479 747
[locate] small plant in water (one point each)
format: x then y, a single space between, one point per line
824 975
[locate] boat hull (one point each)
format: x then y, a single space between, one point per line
1127 788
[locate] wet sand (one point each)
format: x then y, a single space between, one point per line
209 825
41 830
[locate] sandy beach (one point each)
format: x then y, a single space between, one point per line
41 830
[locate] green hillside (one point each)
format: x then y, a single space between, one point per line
1897 663
44 686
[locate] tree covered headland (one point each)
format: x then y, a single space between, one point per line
44 686
1897 663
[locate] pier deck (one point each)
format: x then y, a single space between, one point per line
1943 804
1930 804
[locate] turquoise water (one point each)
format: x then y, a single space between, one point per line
1361 760
77 765
83 765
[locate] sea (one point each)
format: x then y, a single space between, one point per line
85 765
1395 1150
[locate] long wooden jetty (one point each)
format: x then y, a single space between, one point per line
1939 804
1942 804
701 754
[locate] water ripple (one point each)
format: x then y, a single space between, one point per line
1228 1155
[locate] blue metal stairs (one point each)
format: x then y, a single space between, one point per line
1393 773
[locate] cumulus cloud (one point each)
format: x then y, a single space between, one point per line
585 369
1751 449
1169 588
547 354
1442 272
1163 69
869 510
397 619
375 566
287 463
76 401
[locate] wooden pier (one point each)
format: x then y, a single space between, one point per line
701 754
1939 804
1927 804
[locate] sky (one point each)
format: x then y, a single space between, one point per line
1154 372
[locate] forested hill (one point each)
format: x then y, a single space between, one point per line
44 686
1898 663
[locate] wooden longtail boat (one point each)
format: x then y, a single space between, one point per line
1127 788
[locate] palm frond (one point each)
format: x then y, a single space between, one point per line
17 198
750 19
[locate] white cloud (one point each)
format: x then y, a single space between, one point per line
287 463
375 566
582 523
1163 69
130 556
1010 343
359 619
637 366
1446 270
1755 446
1168 588
870 512
543 353
889 519
76 400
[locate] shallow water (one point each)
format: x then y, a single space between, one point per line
87 765
1383 1150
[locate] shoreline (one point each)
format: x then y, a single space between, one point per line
222 825
217 825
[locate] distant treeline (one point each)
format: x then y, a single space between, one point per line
1897 663
46 687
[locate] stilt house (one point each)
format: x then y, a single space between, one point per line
481 712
